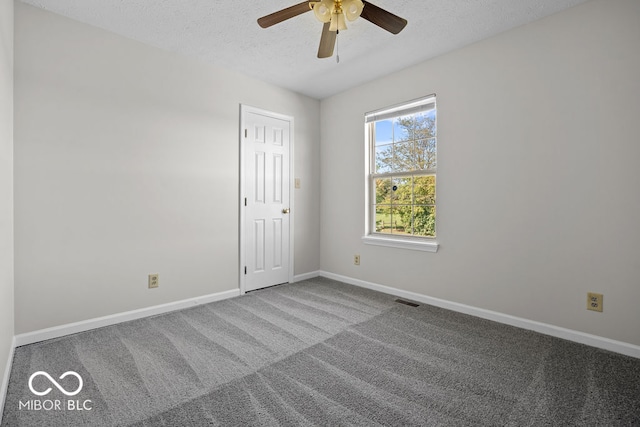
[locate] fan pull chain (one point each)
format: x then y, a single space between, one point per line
337 47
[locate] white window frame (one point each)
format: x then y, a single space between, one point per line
371 237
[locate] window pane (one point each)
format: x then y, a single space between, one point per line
425 125
425 153
384 132
383 219
384 158
424 221
404 156
401 191
383 191
401 219
402 131
424 190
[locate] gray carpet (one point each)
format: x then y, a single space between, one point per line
323 353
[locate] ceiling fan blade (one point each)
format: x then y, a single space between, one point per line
383 19
284 14
327 42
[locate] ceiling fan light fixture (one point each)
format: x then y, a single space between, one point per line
352 8
322 10
334 13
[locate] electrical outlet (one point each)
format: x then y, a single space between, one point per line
594 301
356 259
153 280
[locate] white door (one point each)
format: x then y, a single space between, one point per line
266 141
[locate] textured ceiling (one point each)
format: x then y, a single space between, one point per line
226 34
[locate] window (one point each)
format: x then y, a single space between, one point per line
401 176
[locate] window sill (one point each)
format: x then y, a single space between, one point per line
396 242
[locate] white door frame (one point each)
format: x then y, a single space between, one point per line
244 109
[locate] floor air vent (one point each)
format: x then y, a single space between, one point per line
411 304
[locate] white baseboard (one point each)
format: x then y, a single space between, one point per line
543 328
85 325
5 378
305 276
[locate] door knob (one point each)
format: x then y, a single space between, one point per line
285 211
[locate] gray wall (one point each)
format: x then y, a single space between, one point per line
6 187
538 199
126 163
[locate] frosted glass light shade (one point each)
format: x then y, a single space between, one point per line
337 22
323 10
352 8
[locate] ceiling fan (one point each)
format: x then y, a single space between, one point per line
332 13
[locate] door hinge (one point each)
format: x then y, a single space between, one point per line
245 133
245 269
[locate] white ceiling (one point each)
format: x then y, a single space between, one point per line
226 34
